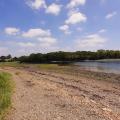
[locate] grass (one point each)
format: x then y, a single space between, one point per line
48 66
10 64
54 67
6 88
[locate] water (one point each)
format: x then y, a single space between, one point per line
101 66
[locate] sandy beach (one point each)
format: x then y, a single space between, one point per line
48 95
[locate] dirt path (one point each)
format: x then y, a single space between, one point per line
50 96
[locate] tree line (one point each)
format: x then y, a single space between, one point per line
70 56
61 56
5 58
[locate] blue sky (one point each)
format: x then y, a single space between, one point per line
28 26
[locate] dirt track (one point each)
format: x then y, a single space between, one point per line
50 96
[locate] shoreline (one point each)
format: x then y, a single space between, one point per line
68 93
82 72
67 69
112 77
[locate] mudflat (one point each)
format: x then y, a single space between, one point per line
44 95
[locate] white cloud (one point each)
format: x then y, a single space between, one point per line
47 41
65 29
11 31
110 15
43 36
28 44
53 9
76 3
36 4
38 32
90 41
76 17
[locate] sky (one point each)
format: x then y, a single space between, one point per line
41 26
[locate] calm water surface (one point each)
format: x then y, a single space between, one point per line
106 66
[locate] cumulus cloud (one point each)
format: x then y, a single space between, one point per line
11 31
38 32
76 17
36 4
90 41
47 41
75 3
111 15
53 9
65 29
44 38
50 9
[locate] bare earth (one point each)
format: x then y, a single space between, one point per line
51 96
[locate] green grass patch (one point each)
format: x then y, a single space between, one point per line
53 67
10 64
6 88
47 66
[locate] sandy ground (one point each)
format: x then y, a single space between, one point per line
51 96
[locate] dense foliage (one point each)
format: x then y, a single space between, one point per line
64 56
70 56
5 58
